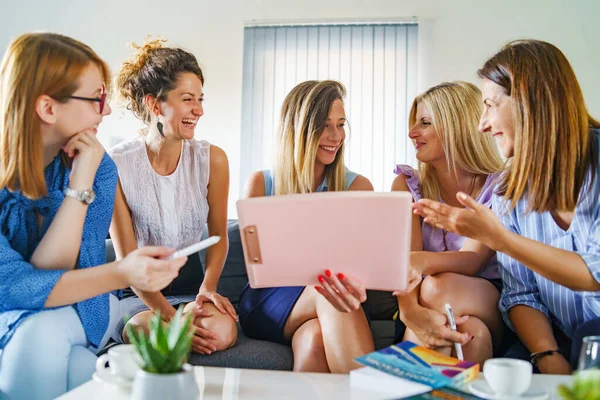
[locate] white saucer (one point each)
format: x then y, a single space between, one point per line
110 379
481 388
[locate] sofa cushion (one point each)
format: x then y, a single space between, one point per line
249 353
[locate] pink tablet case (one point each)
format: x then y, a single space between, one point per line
290 240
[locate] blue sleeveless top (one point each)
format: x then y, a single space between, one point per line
270 182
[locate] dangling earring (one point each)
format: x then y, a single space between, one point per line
159 126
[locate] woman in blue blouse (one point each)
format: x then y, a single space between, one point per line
326 327
547 228
57 188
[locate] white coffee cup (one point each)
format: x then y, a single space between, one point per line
507 376
123 360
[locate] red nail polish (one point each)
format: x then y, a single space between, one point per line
317 288
341 276
321 279
328 273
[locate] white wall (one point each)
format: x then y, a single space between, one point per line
456 38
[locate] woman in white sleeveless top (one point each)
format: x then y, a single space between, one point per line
171 185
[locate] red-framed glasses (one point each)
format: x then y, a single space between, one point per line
100 100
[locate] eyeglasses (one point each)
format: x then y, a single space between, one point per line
100 100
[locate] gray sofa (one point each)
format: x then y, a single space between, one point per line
259 354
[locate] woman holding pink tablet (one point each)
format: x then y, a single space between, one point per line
327 327
443 122
545 223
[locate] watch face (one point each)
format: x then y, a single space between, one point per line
91 196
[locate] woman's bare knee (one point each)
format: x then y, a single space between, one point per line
220 324
138 321
435 290
309 349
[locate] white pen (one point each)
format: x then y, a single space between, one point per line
452 323
195 247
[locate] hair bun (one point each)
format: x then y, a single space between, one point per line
141 53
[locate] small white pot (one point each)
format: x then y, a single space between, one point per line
178 386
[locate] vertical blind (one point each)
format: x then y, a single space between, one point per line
376 63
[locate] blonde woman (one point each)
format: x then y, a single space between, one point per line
57 190
545 223
327 327
452 158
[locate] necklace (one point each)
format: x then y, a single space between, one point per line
445 232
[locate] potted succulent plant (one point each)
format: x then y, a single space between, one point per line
164 351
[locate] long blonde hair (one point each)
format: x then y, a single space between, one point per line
35 64
303 116
455 109
553 149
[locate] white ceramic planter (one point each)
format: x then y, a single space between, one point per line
178 386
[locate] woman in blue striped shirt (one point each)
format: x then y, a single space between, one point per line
545 223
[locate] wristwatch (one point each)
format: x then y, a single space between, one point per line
85 196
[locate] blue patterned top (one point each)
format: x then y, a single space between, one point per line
270 182
24 289
564 307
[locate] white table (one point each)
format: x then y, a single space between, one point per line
242 384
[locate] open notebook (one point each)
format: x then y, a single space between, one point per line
289 240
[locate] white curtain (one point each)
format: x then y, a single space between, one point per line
376 63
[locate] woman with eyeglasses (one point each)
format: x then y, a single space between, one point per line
545 223
57 189
171 187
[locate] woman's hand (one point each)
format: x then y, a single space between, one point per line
415 277
221 303
431 327
344 293
415 273
87 153
144 270
201 342
476 222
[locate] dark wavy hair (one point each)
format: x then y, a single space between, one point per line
153 70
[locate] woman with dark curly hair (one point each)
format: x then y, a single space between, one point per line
171 186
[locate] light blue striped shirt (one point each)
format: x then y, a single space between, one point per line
565 308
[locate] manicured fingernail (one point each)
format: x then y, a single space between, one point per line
321 279
317 289
341 276
328 273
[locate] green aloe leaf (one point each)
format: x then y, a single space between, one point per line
158 337
167 346
177 326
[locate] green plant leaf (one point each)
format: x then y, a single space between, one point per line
157 360
136 336
167 346
586 386
180 352
176 326
158 337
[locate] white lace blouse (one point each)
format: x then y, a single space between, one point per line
166 210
